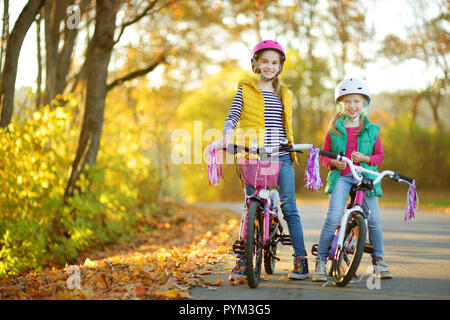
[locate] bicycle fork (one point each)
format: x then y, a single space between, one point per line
268 214
266 226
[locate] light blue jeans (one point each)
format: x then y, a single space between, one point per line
286 189
338 199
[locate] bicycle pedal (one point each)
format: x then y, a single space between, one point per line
368 248
314 249
239 247
286 240
270 253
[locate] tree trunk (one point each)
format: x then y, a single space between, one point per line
415 105
65 55
39 62
97 61
5 32
434 105
14 45
54 12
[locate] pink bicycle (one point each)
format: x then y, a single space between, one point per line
261 230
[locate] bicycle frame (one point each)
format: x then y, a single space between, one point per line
335 247
261 195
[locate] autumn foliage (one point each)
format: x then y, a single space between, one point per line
163 263
36 228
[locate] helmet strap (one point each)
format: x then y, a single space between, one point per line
258 70
358 116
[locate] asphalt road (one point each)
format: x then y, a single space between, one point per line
418 254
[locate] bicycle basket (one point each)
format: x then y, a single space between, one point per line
260 173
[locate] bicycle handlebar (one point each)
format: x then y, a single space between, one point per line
355 169
234 148
400 176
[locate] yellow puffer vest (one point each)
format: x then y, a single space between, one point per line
251 123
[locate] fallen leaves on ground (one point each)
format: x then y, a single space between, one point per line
160 264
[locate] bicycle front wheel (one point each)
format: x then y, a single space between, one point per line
347 259
254 239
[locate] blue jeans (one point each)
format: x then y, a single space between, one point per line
286 189
338 199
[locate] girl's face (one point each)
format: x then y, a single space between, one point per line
352 104
269 63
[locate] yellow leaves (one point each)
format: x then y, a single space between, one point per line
60 114
140 291
89 263
37 115
44 184
164 263
173 294
103 198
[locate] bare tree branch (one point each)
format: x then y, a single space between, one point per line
134 74
146 12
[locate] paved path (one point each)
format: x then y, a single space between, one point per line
418 254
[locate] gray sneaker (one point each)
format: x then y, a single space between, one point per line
380 267
319 274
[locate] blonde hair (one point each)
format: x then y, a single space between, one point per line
332 125
276 83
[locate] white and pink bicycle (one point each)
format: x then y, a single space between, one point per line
349 241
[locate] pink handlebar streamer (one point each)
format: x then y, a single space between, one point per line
312 173
214 167
412 202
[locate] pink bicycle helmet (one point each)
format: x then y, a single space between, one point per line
265 45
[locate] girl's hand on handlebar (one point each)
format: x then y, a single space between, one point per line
340 165
223 143
358 157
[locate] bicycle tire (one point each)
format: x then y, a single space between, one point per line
348 258
270 252
254 239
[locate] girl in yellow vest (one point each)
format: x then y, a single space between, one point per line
351 133
262 111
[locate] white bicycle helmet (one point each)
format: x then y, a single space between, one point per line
351 86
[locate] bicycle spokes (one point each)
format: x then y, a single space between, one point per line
348 257
254 243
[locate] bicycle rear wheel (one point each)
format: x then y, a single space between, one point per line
347 258
254 239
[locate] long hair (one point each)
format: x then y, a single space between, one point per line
276 83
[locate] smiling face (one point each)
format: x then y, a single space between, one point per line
269 63
352 104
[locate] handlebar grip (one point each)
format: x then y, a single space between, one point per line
331 155
234 148
403 177
288 148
